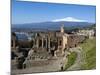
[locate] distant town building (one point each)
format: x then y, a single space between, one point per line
86 32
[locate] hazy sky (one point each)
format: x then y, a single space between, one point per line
30 12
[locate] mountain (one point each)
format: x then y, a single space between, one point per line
51 25
69 19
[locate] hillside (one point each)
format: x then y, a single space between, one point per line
89 51
51 25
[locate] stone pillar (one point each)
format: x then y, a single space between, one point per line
37 43
46 43
55 53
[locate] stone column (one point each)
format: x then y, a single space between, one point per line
37 43
55 53
46 43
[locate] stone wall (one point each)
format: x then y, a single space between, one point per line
74 40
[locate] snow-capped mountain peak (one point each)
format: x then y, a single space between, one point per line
69 19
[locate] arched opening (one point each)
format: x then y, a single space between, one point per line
44 43
60 42
40 43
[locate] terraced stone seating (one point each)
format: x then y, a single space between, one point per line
38 57
42 54
58 53
38 63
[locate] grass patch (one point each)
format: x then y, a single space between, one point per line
71 60
89 51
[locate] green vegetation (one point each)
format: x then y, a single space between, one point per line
76 28
71 28
89 52
71 60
